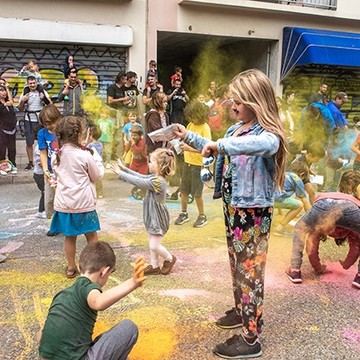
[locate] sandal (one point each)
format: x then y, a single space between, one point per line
70 273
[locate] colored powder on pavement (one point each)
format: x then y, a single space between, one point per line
185 294
352 335
158 334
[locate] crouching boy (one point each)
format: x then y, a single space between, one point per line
69 326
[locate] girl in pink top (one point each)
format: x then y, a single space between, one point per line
76 168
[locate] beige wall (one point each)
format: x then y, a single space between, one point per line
217 17
108 12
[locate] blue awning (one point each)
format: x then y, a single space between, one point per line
303 46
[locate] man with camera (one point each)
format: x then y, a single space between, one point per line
70 93
177 99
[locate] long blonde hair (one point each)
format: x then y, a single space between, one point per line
253 89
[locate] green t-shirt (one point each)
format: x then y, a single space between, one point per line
70 323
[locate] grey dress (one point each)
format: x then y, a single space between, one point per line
155 213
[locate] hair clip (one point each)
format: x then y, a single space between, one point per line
170 152
57 151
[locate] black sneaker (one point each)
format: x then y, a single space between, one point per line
231 320
356 281
294 276
182 218
238 348
200 221
29 166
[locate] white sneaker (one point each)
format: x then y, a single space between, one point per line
41 215
13 171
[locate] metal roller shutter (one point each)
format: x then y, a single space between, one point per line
97 65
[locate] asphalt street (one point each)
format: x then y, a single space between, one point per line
316 320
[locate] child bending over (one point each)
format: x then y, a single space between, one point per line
335 214
156 215
68 329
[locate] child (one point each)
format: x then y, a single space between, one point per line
153 70
176 76
68 329
32 69
132 118
284 199
252 159
196 114
48 144
107 128
330 213
156 215
138 148
313 154
68 65
77 168
40 182
95 134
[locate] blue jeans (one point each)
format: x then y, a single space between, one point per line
323 217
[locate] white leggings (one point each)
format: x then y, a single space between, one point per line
156 250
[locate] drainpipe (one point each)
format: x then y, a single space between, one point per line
268 54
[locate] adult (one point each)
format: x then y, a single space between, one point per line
70 93
155 119
177 98
320 95
115 99
7 128
212 90
152 88
131 92
252 157
334 106
32 103
115 95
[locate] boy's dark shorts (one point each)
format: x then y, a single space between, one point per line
190 180
30 130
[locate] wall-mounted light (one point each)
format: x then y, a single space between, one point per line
190 27
250 32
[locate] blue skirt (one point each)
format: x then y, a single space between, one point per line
73 224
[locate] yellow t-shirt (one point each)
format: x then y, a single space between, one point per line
195 158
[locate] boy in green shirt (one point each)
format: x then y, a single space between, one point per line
69 326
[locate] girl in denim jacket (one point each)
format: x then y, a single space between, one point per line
251 163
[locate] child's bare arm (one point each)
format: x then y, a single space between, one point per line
100 301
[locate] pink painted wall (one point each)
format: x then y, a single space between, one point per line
162 15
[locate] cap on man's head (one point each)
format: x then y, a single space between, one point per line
342 96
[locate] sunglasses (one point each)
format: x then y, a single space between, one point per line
205 174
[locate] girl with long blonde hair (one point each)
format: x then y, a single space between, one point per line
250 164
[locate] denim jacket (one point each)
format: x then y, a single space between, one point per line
252 164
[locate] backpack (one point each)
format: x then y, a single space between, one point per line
215 118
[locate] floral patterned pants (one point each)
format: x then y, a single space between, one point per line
247 234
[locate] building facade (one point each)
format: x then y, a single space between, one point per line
117 35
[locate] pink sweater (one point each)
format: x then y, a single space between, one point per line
76 174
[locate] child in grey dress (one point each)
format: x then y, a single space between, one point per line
155 213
